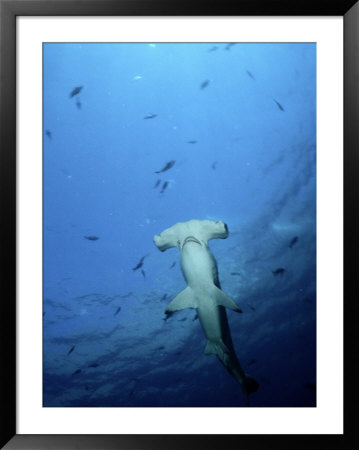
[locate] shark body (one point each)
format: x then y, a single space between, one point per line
203 291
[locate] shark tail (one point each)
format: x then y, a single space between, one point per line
249 385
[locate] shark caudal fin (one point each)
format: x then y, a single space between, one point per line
249 386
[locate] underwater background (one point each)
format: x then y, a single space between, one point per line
237 123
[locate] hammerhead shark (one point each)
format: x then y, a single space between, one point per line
203 291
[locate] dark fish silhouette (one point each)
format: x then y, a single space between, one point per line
78 104
191 142
48 134
75 91
93 365
235 273
166 167
71 350
214 165
140 263
150 116
117 310
183 319
77 372
252 361
293 241
204 84
163 298
168 315
279 105
173 264
213 49
250 74
195 317
92 238
228 46
157 184
278 271
252 307
143 273
164 187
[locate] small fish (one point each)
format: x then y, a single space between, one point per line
78 104
163 298
150 116
214 165
168 315
279 105
140 263
195 317
164 187
183 319
92 238
204 84
157 184
250 74
162 347
166 167
191 142
71 350
235 273
77 372
173 264
213 49
293 241
48 134
178 353
75 91
117 310
278 271
43 314
228 46
252 361
93 365
143 273
252 307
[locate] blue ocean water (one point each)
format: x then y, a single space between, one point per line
239 122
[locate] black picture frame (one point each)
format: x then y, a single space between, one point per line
9 10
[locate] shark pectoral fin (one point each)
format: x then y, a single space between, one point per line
184 299
223 300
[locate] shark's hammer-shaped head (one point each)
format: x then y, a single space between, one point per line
192 231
